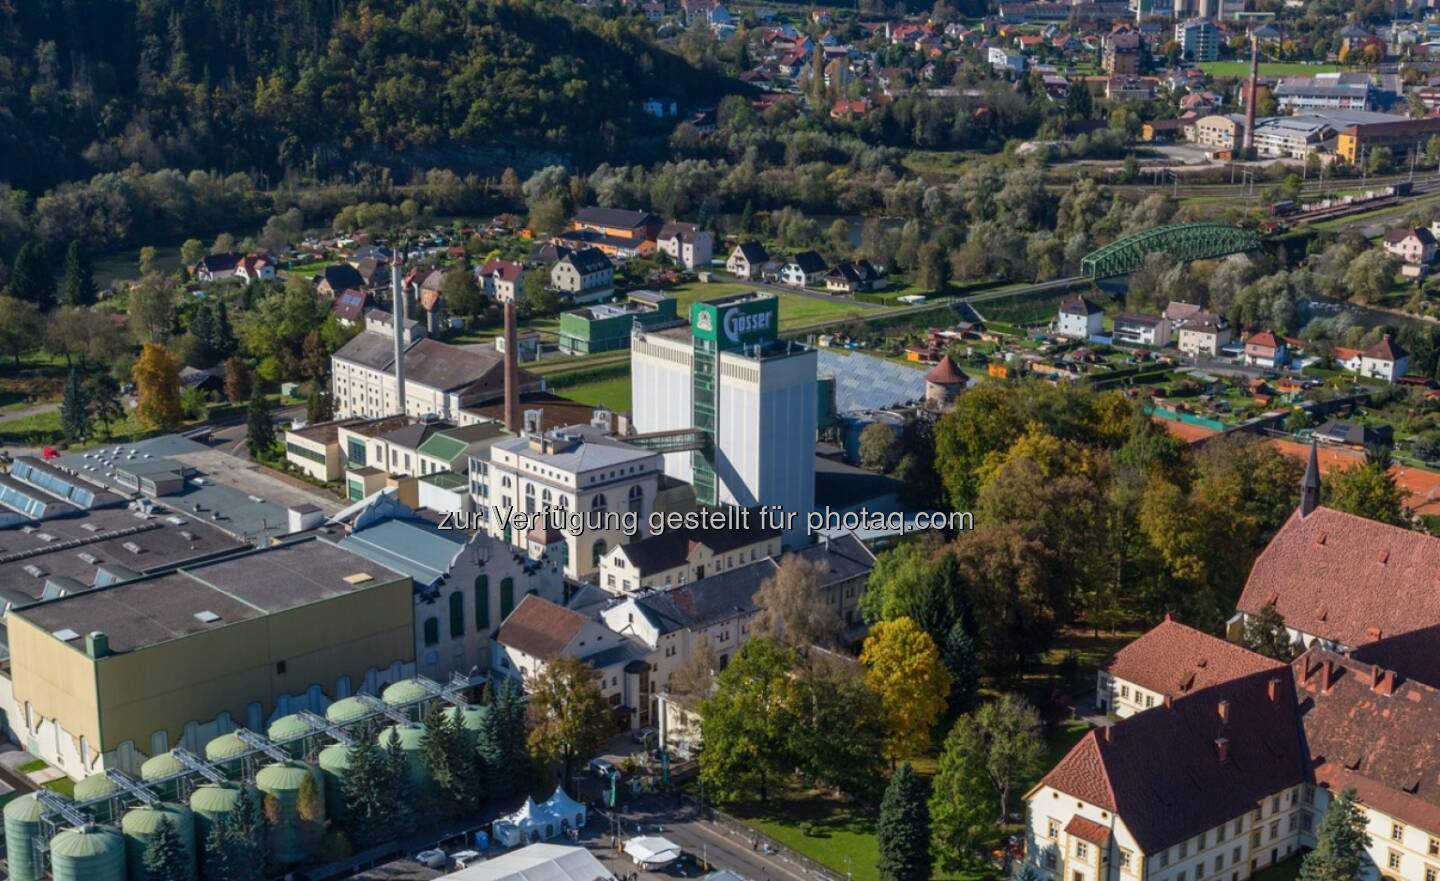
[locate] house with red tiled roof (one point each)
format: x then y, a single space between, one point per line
1171 661
1193 785
1265 349
1386 360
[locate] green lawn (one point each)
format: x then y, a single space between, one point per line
1267 68
613 394
795 310
840 838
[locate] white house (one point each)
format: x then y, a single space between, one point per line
1080 319
1385 360
747 258
804 269
686 244
1140 330
501 279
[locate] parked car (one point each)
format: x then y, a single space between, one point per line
642 735
602 768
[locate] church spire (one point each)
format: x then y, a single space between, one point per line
1310 485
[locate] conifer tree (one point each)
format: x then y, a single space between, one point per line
368 799
215 853
77 286
245 845
397 779
165 856
492 763
259 430
1340 843
74 410
903 830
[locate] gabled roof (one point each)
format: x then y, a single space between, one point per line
754 252
588 260
342 276
1088 830
1386 350
809 262
1396 236
1079 306
540 628
505 270
1374 730
1192 764
1347 579
1263 340
350 305
673 547
616 217
1175 660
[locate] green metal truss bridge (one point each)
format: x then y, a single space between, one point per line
1183 241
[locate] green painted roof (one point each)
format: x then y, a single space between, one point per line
446 480
442 447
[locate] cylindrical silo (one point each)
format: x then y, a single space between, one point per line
334 762
158 768
95 853
410 737
22 827
93 787
407 693
293 830
289 727
140 824
225 751
212 803
346 710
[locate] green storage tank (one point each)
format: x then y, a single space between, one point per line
346 710
22 827
211 803
93 787
334 762
471 718
289 727
225 751
139 824
410 737
91 854
284 783
405 692
160 767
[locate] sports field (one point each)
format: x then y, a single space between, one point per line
1267 68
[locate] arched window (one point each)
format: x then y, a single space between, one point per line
636 499
545 498
457 614
598 503
432 631
597 551
482 602
507 597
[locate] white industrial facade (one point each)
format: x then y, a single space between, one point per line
766 418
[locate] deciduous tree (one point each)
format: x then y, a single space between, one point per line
1367 491
568 715
794 608
747 724
903 666
1265 633
157 387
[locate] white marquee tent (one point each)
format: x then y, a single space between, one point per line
538 862
652 851
540 822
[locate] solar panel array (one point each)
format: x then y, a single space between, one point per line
864 382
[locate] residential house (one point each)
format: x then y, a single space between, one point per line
1170 661
1351 434
852 277
747 258
686 244
255 267
1004 60
1265 349
1204 333
1198 39
614 231
1386 360
586 275
803 269
1080 319
501 279
217 267
1130 88
1122 52
1415 246
335 279
1130 328
350 307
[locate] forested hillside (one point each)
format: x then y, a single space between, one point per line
88 86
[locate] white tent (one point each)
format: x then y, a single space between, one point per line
538 862
566 811
527 825
652 851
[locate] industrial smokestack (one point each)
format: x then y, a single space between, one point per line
397 296
1248 148
512 371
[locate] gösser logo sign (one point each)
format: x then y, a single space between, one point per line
738 324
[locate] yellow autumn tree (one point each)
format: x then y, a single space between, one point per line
157 387
902 665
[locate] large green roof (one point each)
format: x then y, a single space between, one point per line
441 446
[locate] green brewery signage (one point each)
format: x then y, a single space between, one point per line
736 323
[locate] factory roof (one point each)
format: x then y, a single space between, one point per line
101 546
415 547
139 614
576 449
555 410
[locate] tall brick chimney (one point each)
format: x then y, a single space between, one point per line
1253 89
512 371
